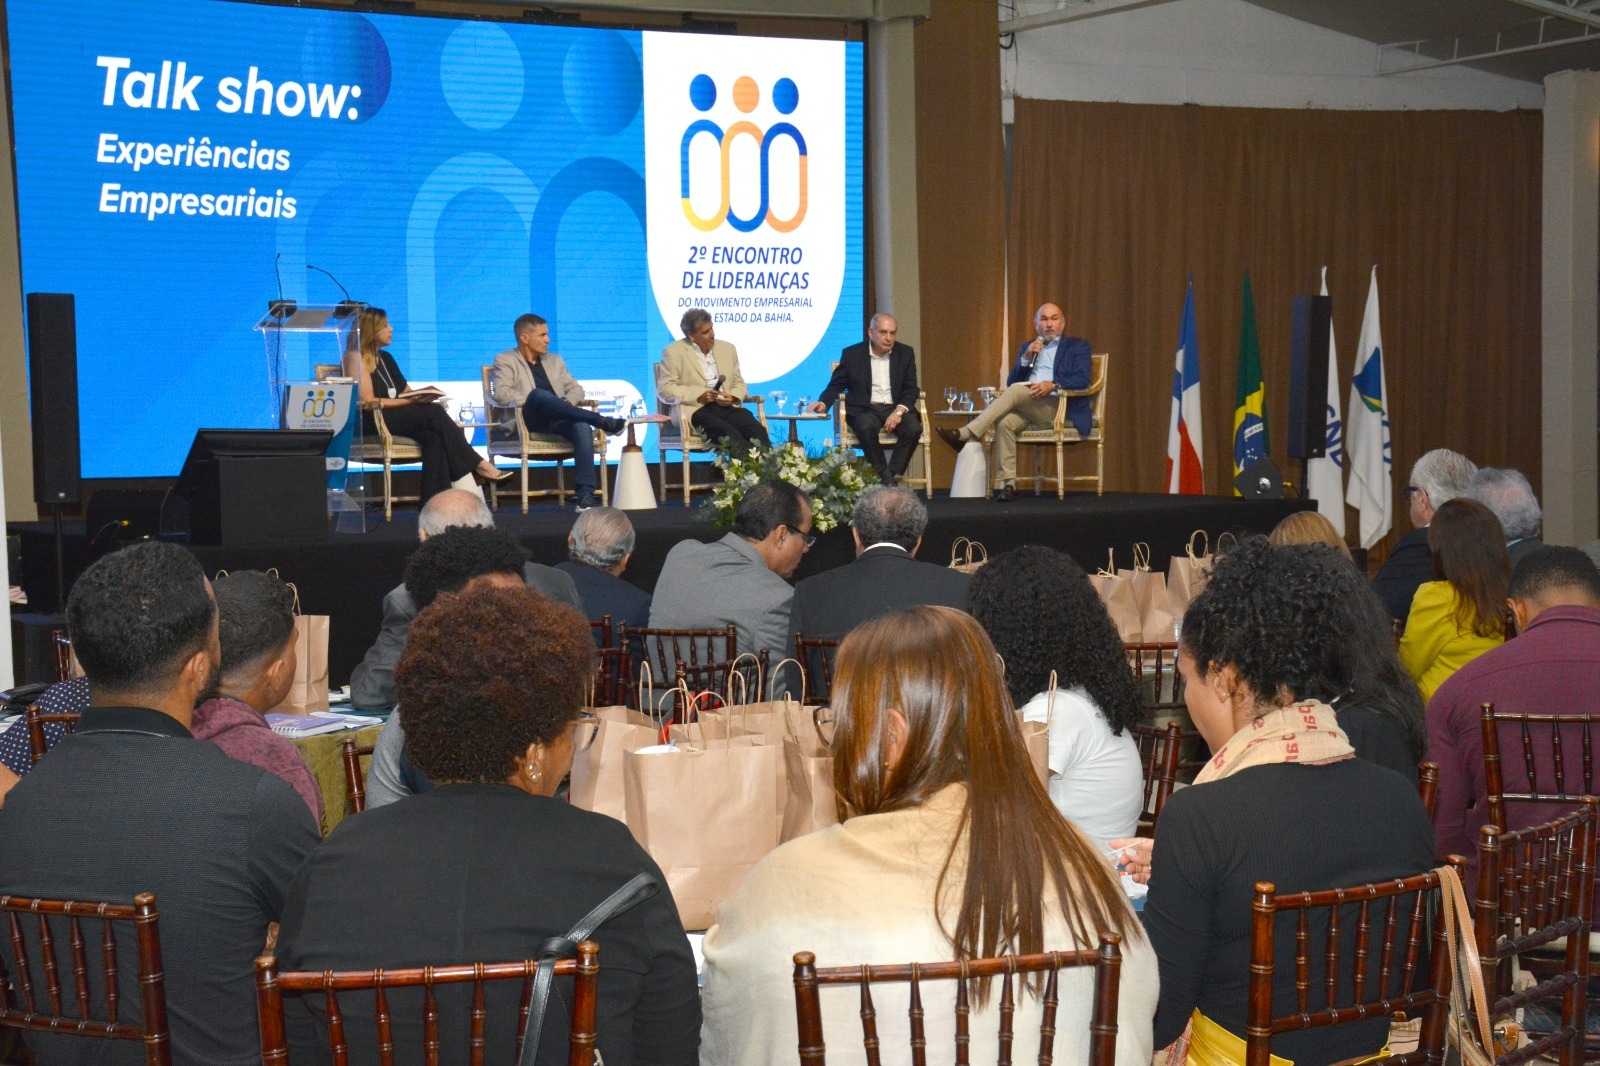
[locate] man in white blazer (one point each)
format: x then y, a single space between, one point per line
702 373
534 378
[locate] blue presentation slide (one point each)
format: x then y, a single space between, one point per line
181 162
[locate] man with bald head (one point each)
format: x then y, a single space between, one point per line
1049 362
878 378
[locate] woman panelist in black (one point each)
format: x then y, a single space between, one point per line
446 455
489 865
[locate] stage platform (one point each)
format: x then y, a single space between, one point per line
347 576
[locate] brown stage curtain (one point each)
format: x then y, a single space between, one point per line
960 202
1113 204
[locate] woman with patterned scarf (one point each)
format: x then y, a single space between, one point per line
1283 799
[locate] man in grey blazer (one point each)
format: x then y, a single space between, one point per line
372 681
534 378
742 578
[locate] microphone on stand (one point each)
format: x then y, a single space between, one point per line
349 305
335 280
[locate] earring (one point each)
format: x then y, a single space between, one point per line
533 775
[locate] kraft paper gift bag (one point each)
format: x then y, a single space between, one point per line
1187 574
309 692
596 783
1150 594
1036 735
968 556
810 802
706 815
1116 592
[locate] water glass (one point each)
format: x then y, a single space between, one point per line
805 402
779 398
949 397
966 401
986 394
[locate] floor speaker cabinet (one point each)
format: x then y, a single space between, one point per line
33 653
53 385
256 487
1308 377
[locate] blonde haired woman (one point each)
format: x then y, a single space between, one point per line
950 849
446 455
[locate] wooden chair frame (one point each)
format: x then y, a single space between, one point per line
847 439
1540 732
1162 659
535 446
389 449
1060 433
1535 890
36 720
355 778
271 984
151 1031
1160 749
818 652
1106 961
613 676
673 436
1432 1000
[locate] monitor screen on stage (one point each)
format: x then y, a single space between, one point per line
181 163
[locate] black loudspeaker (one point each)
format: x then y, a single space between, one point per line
1308 377
249 487
53 381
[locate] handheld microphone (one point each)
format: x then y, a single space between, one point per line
335 280
1034 357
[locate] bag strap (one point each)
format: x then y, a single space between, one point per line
1465 1006
624 899
958 556
1141 556
772 687
1205 544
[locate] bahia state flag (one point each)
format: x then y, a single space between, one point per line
1366 439
1249 410
1325 476
1185 473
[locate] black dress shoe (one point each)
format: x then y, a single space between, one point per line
951 437
1005 494
613 426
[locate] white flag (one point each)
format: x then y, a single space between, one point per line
1367 435
1325 476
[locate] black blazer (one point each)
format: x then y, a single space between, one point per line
853 376
883 580
487 873
603 594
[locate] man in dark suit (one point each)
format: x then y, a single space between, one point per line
887 524
1049 362
599 546
879 379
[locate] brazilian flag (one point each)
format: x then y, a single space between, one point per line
1250 412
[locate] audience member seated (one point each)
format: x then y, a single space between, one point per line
950 849
132 803
1553 664
742 578
1045 619
1283 799
887 525
599 547
458 559
16 750
1438 477
1508 494
255 620
372 681
489 865
1307 527
1461 613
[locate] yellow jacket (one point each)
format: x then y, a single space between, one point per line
1434 647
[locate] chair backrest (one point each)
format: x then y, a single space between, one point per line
613 676
600 628
1551 758
61 645
1428 786
1379 945
1098 364
271 984
662 648
36 720
73 1012
1535 888
816 663
1106 961
1160 748
1155 671
355 778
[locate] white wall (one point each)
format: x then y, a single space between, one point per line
1230 53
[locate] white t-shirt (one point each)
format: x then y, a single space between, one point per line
1096 778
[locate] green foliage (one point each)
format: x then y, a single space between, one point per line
832 478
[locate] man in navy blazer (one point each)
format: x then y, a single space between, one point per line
879 379
1048 362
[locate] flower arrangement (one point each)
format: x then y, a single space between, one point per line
832 478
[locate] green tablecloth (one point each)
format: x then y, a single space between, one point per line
325 759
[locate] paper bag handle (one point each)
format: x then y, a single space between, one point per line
1205 545
772 684
1229 536
1110 569
1141 556
744 689
960 552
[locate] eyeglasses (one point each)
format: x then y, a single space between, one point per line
822 720
584 730
1411 490
809 538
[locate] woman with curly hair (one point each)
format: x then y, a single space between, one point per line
1044 617
1462 612
949 849
490 865
1283 799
